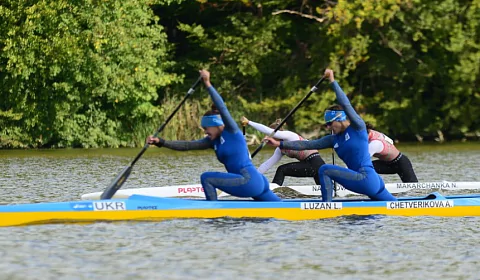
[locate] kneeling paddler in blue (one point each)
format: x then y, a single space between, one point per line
225 137
350 141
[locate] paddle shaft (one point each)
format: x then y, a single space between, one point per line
314 89
333 162
122 176
160 129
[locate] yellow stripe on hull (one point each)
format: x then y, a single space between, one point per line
26 218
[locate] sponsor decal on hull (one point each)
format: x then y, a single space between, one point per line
81 206
190 190
147 207
194 190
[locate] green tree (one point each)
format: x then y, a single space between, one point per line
81 73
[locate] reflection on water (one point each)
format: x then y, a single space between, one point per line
355 247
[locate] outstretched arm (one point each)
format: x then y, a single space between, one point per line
277 155
318 144
375 147
201 144
284 135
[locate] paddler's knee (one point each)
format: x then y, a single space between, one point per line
322 168
267 194
208 189
384 195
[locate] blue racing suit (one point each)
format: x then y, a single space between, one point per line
242 179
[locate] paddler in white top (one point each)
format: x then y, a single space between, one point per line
390 159
309 161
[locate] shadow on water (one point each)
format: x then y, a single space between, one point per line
231 223
343 221
357 220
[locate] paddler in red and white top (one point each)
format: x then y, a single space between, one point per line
390 159
309 161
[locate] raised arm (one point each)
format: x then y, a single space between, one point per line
355 120
284 135
230 124
318 144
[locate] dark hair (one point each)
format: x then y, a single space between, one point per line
275 124
213 111
335 107
369 126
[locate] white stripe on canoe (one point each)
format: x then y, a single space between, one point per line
197 191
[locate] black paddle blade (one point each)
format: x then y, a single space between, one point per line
117 183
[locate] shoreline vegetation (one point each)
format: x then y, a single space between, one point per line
129 152
92 74
254 139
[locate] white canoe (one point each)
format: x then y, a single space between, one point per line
196 190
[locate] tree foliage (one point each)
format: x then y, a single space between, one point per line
81 73
106 73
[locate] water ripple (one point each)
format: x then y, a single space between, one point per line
372 247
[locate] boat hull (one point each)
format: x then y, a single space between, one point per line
143 208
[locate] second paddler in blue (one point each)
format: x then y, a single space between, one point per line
350 141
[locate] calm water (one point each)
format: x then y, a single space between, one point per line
374 247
